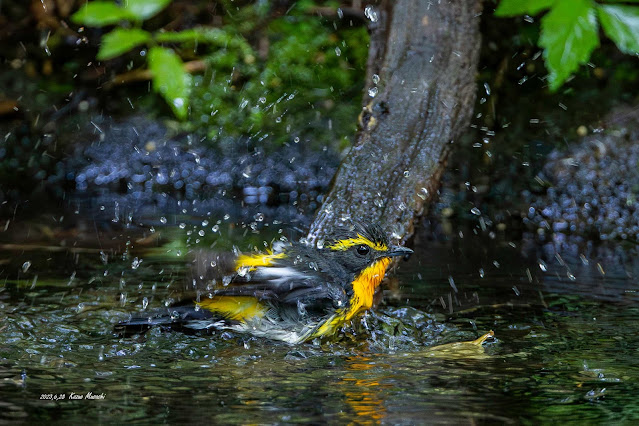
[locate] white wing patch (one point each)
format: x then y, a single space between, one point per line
279 274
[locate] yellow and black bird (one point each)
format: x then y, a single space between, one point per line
294 293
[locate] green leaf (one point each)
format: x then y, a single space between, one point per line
120 41
621 24
100 13
170 79
144 9
568 36
521 7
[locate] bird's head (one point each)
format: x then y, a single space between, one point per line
361 246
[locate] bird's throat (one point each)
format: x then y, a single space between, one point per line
365 284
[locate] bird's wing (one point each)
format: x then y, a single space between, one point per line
286 285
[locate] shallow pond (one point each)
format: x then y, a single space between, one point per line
566 326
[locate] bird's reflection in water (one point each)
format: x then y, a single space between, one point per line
365 395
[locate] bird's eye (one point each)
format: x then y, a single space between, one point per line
363 250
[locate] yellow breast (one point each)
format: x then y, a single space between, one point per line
365 285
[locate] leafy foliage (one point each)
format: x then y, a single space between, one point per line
267 73
310 71
145 9
100 14
568 36
621 24
170 79
569 31
520 7
120 41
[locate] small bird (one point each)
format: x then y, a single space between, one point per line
294 293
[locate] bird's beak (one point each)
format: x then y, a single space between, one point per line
399 251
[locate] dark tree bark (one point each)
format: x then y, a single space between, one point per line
425 54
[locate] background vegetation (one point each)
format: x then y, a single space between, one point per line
239 74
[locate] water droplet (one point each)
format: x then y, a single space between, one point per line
136 263
116 212
451 281
601 269
481 273
375 79
371 13
338 51
178 102
406 173
372 92
542 266
259 217
182 225
25 266
475 211
487 88
201 233
145 303
163 220
340 13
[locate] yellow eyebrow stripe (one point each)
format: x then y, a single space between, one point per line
350 242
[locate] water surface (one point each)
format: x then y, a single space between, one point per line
566 333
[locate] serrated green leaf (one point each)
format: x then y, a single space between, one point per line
145 9
170 80
120 41
100 13
568 36
621 24
521 7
